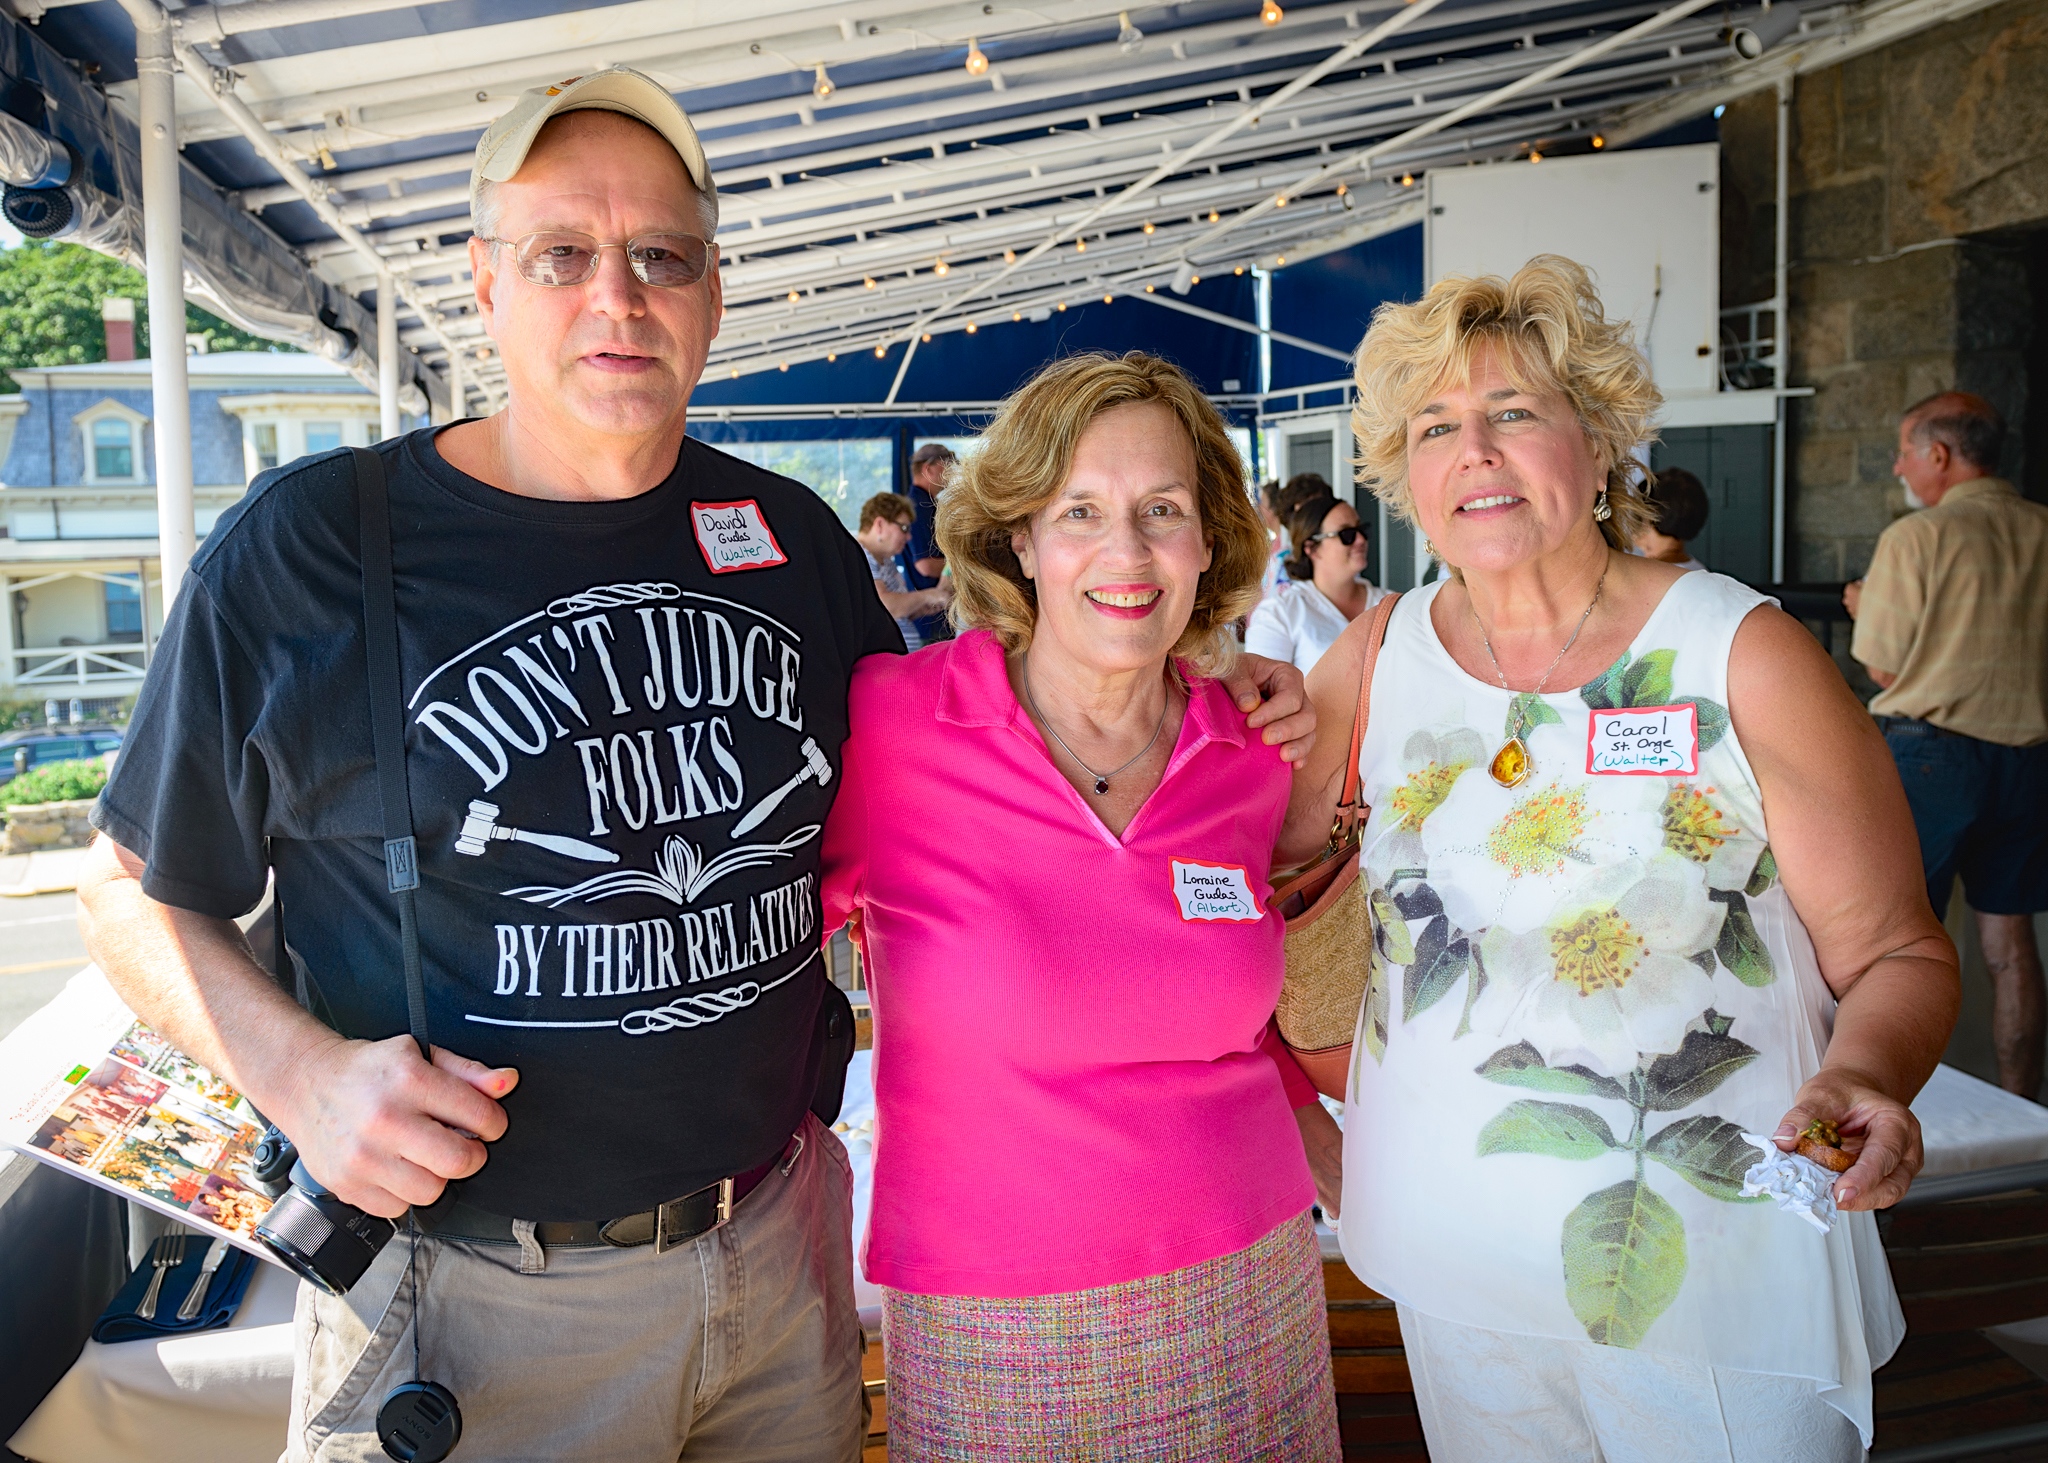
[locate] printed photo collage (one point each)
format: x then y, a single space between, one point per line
151 1121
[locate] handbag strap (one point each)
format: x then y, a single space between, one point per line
387 728
1350 816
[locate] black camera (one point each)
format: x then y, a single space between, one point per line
317 1236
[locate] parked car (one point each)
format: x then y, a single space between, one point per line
21 751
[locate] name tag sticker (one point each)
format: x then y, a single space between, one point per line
1644 741
735 536
1214 892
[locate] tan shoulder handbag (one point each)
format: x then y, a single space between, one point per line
1329 927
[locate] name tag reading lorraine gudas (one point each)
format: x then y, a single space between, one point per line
735 536
1214 892
1644 741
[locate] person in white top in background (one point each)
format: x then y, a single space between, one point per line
1329 553
1678 514
1274 582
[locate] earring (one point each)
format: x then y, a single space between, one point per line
1430 549
1602 509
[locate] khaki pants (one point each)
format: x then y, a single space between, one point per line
739 1347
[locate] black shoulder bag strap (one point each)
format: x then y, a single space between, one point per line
387 728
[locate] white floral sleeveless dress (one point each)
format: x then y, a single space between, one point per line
1584 988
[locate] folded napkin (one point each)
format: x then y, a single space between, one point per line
118 1322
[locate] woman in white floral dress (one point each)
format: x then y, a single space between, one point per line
1593 968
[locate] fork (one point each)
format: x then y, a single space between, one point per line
170 1253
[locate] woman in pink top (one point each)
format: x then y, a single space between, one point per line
1090 1216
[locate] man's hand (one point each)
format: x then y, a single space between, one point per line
1852 597
383 1129
1323 1141
1275 697
1879 1130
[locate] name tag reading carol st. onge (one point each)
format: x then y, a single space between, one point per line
735 536
1213 892
1643 741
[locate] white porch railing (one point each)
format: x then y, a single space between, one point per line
78 665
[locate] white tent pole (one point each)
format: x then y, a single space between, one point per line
387 355
163 235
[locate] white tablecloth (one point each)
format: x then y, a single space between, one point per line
223 1397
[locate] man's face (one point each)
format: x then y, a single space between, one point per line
1919 466
931 474
613 354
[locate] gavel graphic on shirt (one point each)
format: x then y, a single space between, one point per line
480 827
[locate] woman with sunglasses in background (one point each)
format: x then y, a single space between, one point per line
1329 553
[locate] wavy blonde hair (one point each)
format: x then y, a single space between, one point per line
1549 332
1025 459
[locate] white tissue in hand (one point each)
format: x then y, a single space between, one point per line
1800 1185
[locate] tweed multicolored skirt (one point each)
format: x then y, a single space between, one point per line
1225 1360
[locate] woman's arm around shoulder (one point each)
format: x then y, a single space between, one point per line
1846 849
1319 777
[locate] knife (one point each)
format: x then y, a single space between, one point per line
196 1296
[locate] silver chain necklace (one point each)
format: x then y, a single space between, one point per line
1101 778
1511 765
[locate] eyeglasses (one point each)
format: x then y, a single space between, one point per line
1348 535
563 257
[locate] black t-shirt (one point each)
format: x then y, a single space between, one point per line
602 702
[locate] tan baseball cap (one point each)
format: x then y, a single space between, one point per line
506 141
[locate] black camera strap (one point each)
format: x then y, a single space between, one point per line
387 728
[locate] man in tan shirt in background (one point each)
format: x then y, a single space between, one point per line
1952 624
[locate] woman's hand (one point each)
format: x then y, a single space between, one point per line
1879 1130
1274 697
1323 1141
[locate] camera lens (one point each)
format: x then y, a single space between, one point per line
320 1238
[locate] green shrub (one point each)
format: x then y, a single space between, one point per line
56 782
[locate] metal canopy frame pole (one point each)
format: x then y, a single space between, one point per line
1781 326
164 263
387 356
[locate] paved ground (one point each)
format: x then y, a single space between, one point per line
39 951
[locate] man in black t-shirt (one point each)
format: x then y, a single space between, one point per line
624 659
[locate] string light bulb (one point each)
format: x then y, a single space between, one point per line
1270 13
1214 216
1148 289
1061 307
1080 246
735 373
1148 225
1535 156
1009 256
1109 299
1279 260
1016 316
794 297
1342 190
782 365
972 327
1128 36
1195 279
1238 270
831 356
941 267
977 63
868 281
1407 180
1598 142
822 88
880 351
926 337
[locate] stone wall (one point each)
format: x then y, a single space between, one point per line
1919 212
36 827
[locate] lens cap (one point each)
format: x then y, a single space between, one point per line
419 1423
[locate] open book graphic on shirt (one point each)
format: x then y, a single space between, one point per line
91 1090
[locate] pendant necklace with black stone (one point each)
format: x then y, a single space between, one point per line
1101 778
1511 765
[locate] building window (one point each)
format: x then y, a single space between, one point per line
113 448
265 434
124 610
322 437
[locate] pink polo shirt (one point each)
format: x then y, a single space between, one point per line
1075 1083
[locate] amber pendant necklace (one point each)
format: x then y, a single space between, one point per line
1511 765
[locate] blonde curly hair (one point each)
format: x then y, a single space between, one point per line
1025 459
1549 332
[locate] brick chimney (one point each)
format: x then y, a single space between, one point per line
117 313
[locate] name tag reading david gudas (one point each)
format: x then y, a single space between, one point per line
1644 741
735 536
1214 892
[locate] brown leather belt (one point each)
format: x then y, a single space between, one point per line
665 1226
